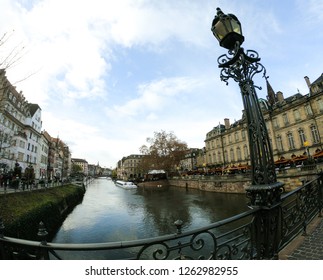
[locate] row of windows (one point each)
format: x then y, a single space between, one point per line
5 138
18 103
229 156
131 163
22 145
8 123
236 155
283 120
302 138
290 137
44 149
31 159
296 114
224 139
21 157
35 126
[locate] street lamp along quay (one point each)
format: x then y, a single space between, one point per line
227 29
264 190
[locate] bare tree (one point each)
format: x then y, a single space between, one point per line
11 57
164 151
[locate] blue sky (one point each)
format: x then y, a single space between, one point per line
107 74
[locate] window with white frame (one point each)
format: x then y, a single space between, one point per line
291 142
243 134
315 134
308 110
285 119
320 104
279 142
219 156
232 155
226 156
239 153
236 136
275 123
245 151
302 137
297 115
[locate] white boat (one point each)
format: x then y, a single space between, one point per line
126 185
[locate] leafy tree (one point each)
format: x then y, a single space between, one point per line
164 151
76 169
114 174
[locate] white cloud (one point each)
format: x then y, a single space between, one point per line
154 97
107 74
312 10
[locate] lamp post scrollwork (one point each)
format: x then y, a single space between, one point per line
264 191
242 66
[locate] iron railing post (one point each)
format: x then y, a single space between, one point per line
320 194
267 232
2 227
264 192
42 234
178 224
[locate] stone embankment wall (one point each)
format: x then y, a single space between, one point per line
226 184
292 178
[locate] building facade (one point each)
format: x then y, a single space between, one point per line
83 164
33 127
128 167
22 140
43 151
190 160
294 124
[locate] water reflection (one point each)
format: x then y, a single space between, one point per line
109 213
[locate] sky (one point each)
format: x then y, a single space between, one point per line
108 74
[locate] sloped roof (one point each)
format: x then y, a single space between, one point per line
318 80
33 108
293 97
78 160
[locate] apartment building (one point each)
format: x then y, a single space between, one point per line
43 151
33 127
128 167
14 111
82 163
21 138
190 160
294 124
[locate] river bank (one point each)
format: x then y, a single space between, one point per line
21 212
237 183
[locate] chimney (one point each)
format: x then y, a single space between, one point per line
280 96
307 80
227 123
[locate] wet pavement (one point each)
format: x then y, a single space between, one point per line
306 247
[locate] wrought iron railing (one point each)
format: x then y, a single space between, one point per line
255 234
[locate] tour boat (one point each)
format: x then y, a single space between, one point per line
126 185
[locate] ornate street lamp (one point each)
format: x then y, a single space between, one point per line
241 66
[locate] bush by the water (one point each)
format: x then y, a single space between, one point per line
23 211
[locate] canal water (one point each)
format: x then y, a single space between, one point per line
110 213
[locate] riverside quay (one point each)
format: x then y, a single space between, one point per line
277 212
260 232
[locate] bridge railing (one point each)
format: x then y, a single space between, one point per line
243 236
